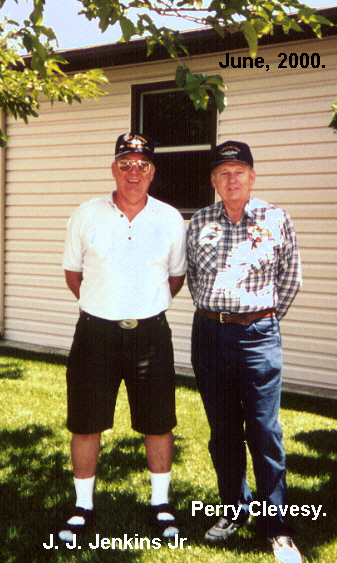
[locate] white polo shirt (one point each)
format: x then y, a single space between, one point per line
125 265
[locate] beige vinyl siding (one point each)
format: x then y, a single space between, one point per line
63 158
60 160
2 225
283 115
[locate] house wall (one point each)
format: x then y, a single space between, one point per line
63 158
2 225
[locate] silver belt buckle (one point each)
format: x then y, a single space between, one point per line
128 323
222 316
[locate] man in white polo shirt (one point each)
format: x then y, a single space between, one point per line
124 261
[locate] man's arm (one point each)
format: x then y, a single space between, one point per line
192 275
176 283
289 274
74 280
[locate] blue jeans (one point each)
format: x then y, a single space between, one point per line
238 372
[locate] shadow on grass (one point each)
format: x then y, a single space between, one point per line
314 405
36 491
32 356
37 494
186 382
35 540
11 370
30 475
119 458
23 438
322 528
317 526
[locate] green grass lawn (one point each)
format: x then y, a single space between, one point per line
37 487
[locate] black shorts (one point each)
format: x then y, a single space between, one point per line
103 354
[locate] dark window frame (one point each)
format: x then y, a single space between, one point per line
191 158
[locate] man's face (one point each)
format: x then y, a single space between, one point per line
233 181
133 185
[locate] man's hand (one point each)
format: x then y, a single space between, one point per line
74 280
176 283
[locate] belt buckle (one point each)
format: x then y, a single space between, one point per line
223 314
128 323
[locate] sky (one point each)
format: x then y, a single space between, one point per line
74 31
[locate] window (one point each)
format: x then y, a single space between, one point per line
183 137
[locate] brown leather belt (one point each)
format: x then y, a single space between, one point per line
236 318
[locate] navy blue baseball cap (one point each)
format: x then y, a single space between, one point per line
231 151
135 143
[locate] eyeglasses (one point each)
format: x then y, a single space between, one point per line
143 166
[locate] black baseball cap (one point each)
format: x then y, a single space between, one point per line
135 143
231 151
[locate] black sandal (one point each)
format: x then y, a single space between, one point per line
161 526
87 515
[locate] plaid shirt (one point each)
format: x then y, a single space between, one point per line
244 267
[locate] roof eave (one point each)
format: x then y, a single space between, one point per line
198 42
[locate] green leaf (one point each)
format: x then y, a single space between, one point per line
214 22
147 18
140 4
293 25
27 42
47 32
52 67
251 37
321 20
217 79
180 77
38 49
316 28
107 11
151 43
12 22
196 99
3 139
262 27
204 95
191 82
333 123
128 29
220 98
38 65
36 17
200 98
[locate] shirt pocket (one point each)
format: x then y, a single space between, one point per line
207 258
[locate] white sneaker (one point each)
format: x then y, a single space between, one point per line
223 529
285 551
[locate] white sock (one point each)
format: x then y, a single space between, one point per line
84 492
160 483
84 497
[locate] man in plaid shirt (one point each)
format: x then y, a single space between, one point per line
244 272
